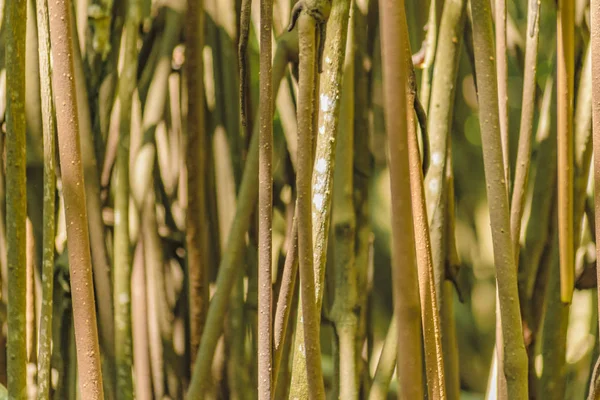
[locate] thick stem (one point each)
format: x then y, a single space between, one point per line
595 26
84 311
565 80
406 295
16 212
515 358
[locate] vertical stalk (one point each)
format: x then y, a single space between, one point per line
526 129
48 111
406 295
16 212
122 255
565 80
84 312
196 162
502 71
515 358
307 40
322 180
265 204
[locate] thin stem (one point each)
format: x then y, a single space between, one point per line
196 162
515 358
84 311
386 364
265 205
48 111
406 296
526 129
16 212
565 80
502 71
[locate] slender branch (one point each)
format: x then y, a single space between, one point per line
406 296
231 261
196 162
502 72
565 80
48 111
265 205
526 129
16 211
245 11
515 358
386 364
84 312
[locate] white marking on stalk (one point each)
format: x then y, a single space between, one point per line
436 158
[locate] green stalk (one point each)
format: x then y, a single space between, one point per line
322 180
16 211
387 362
343 217
406 295
196 162
84 311
565 81
502 72
265 205
48 111
515 358
526 129
236 241
307 38
122 254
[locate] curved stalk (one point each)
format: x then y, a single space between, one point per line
515 358
84 311
16 211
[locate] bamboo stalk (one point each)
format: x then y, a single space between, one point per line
84 312
502 76
565 80
196 162
515 358
48 111
265 205
526 128
16 212
406 297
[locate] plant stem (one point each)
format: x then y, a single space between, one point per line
406 295
515 358
265 205
16 211
526 129
196 162
565 80
231 260
502 72
84 312
48 111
